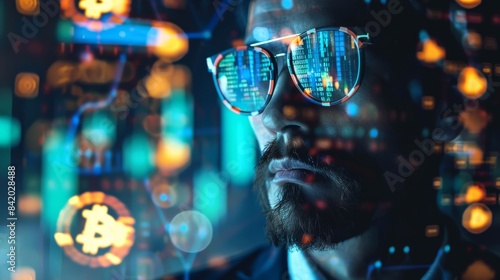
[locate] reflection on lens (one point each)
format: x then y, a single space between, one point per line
244 78
326 65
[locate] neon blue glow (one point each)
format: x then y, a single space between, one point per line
132 33
183 228
373 133
13 128
261 33
210 195
392 249
352 109
406 249
287 4
378 264
424 36
446 248
238 148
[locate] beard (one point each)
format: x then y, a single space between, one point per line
316 218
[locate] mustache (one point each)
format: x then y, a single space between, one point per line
319 160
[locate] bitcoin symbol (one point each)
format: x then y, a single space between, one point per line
95 8
101 230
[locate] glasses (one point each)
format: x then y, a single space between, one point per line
325 64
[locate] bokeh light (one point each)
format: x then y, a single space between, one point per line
172 155
472 83
469 4
164 195
474 120
430 52
478 270
28 7
29 204
474 193
166 40
190 231
27 85
11 132
477 218
62 73
157 86
24 273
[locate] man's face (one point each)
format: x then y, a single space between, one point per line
320 177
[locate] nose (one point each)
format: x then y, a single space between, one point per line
288 110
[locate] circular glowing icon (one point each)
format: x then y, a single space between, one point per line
101 231
477 218
97 15
190 231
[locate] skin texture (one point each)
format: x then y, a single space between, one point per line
341 211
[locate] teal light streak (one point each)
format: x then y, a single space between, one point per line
10 132
137 156
210 195
238 148
58 184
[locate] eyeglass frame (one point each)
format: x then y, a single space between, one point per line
214 60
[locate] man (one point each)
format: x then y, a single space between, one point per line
344 192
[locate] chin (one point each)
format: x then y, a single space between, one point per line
316 221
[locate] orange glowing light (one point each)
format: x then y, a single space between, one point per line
24 273
428 102
474 121
306 238
94 9
474 193
472 83
432 231
27 85
478 270
29 204
431 52
474 40
172 155
28 7
62 73
157 87
469 4
168 41
477 218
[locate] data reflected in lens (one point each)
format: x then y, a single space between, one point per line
245 77
326 65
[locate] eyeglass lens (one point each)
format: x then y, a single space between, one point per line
325 65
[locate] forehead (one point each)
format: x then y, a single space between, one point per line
269 19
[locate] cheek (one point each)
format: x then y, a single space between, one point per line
261 133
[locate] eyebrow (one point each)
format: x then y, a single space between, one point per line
273 40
